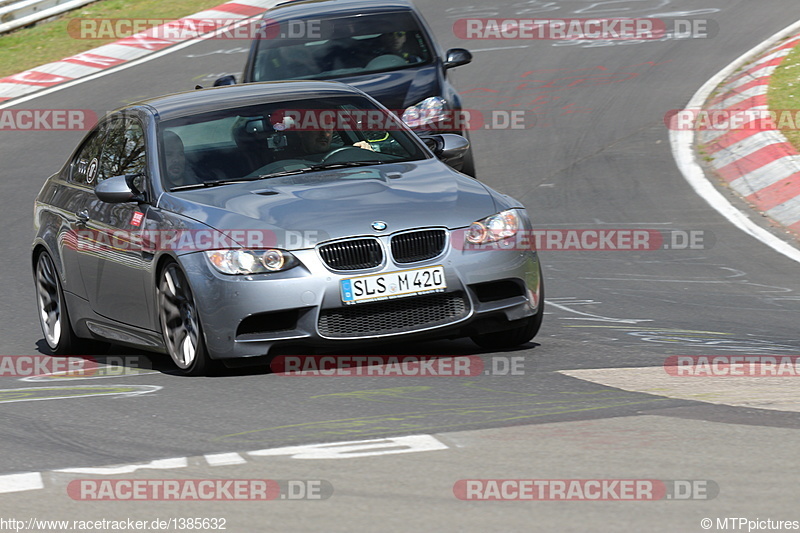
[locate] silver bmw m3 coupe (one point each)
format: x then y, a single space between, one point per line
225 224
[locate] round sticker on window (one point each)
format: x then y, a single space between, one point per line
91 172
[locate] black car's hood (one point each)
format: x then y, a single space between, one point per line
340 203
400 88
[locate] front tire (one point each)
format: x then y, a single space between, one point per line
180 323
52 308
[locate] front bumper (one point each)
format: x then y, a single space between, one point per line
247 316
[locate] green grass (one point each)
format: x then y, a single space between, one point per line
26 48
784 91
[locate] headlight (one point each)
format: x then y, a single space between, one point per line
251 261
494 228
426 112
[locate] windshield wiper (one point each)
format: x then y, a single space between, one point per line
311 168
217 183
326 166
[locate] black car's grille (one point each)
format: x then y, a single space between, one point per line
356 254
418 245
393 316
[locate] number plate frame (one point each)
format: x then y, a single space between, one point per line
397 284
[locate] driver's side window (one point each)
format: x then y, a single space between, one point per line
123 151
86 165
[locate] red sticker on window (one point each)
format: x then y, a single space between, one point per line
136 219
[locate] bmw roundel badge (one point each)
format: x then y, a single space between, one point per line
379 225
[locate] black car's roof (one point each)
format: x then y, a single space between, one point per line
211 99
305 8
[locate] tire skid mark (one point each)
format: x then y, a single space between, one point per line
31 394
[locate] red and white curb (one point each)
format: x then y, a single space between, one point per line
684 149
761 166
119 52
27 481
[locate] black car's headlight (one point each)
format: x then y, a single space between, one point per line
503 225
251 261
429 111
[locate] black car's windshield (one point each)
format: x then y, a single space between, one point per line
279 139
339 47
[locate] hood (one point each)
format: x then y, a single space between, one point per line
342 203
400 88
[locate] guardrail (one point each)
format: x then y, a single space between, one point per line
18 13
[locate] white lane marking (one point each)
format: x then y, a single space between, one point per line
761 75
787 213
746 147
709 136
335 450
224 459
769 57
683 150
738 98
158 464
363 448
112 372
138 390
566 302
21 482
767 175
775 393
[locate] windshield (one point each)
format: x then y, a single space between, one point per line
258 142
340 47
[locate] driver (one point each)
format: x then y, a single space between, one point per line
313 142
395 43
178 170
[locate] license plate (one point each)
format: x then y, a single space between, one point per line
390 285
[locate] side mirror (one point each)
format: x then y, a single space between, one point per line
448 147
457 57
225 80
119 190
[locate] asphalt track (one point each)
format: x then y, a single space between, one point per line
596 155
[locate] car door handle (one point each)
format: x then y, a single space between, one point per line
83 216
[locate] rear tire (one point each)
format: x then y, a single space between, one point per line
180 324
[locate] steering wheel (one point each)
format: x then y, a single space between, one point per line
334 156
279 166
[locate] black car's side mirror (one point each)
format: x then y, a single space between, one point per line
448 147
118 190
225 80
457 57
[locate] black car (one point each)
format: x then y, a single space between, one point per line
386 49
